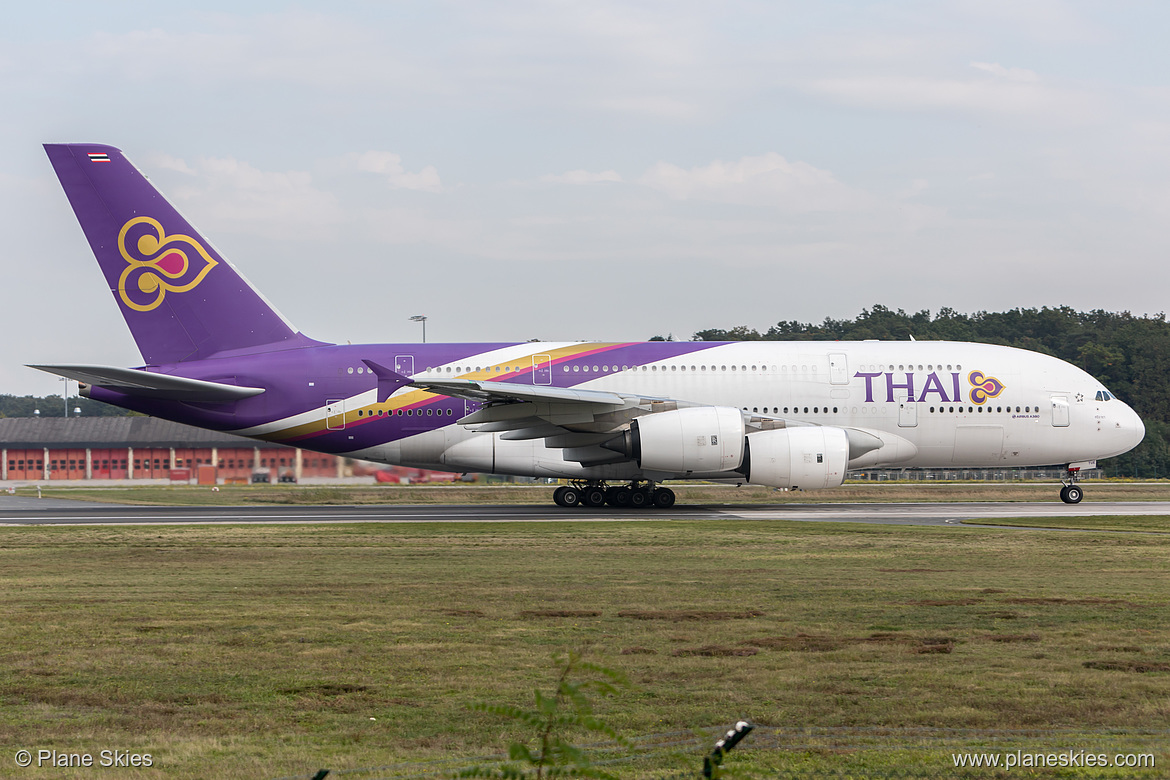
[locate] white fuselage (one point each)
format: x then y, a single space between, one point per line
936 404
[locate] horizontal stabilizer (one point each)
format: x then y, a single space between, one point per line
145 384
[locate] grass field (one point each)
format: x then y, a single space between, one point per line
230 495
272 651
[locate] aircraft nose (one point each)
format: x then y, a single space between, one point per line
1133 429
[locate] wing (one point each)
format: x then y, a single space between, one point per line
146 384
578 422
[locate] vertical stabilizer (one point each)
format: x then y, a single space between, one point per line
181 299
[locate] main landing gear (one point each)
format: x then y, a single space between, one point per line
1071 493
637 495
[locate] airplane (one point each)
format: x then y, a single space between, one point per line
611 420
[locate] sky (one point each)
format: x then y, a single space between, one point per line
595 170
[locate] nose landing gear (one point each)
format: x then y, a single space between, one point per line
1071 493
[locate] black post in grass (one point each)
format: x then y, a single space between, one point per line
724 746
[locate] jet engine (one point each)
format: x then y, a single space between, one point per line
701 439
713 440
807 457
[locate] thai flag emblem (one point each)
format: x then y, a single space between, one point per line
99 157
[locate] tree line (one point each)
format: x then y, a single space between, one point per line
54 406
1129 354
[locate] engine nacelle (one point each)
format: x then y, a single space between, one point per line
808 458
699 439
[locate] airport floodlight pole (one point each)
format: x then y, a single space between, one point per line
423 319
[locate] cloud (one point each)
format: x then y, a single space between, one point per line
389 165
1011 93
768 179
582 177
1011 74
241 197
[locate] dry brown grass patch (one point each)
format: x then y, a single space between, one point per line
1141 667
803 643
820 643
1090 601
1007 638
1118 649
560 613
716 651
326 689
945 602
696 615
639 651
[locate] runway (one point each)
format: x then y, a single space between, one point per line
32 511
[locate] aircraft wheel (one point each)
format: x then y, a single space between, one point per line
618 496
570 496
593 496
639 499
663 498
559 496
1071 494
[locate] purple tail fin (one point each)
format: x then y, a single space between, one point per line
181 299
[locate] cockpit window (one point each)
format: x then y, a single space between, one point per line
1104 395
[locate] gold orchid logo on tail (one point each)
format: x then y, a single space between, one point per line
158 264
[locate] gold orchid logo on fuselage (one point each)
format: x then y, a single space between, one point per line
984 387
158 263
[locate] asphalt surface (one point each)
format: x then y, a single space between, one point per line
16 510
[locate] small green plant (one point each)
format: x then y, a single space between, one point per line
556 717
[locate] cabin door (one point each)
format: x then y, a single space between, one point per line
1060 415
542 369
404 364
838 369
907 412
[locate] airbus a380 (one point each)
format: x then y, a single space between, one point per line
613 420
